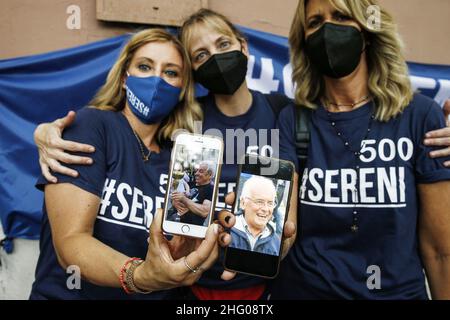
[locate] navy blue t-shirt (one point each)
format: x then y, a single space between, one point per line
381 259
129 189
247 133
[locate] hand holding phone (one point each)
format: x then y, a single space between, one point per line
192 188
261 207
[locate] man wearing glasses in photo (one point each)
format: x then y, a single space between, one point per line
253 230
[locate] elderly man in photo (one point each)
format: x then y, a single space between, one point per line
196 207
252 230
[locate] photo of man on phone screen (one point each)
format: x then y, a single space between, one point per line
194 206
255 228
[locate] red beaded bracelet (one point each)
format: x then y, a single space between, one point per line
122 275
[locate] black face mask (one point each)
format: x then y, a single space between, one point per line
223 73
335 50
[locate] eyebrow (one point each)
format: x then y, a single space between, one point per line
168 64
222 38
316 15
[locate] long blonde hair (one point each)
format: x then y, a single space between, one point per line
111 95
389 81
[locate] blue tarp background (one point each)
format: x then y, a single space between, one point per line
44 87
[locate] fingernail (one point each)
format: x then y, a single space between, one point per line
426 142
54 180
227 219
89 161
216 229
447 164
91 149
432 154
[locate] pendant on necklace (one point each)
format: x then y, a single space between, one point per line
354 228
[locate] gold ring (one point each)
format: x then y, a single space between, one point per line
194 270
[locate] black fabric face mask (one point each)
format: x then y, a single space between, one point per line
335 50
223 73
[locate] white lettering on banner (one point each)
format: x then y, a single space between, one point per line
289 86
432 84
135 210
443 93
266 82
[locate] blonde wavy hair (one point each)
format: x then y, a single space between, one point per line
112 96
389 81
214 20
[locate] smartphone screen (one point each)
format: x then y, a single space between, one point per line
261 208
192 187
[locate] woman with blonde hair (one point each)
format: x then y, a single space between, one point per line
374 206
95 226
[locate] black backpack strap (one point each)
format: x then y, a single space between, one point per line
302 125
277 102
302 135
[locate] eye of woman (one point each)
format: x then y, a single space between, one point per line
224 44
200 56
171 73
144 67
314 22
341 17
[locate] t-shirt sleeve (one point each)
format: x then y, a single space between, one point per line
206 194
88 128
430 170
286 130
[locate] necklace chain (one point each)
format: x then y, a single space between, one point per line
141 146
357 153
332 103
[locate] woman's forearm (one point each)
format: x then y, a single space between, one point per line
72 231
98 263
434 236
438 274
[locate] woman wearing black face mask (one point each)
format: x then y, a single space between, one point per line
374 205
219 56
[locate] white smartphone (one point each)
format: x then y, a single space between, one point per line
191 193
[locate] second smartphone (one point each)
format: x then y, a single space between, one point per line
261 208
192 186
